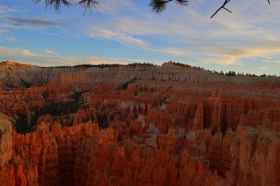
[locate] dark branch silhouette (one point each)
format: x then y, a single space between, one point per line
222 7
160 5
56 4
157 5
227 10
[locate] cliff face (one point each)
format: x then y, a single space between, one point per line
137 126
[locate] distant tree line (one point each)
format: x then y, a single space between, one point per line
180 64
103 65
230 73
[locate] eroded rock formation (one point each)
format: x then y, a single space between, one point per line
84 155
137 125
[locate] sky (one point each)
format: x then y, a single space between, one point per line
127 31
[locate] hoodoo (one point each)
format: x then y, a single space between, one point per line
137 125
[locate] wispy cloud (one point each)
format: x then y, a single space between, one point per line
7 51
37 22
49 51
264 68
101 33
105 59
29 54
11 39
231 53
132 41
5 9
113 8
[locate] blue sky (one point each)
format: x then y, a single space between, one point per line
127 31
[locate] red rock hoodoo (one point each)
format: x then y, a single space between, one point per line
137 125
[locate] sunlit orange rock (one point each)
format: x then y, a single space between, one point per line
137 125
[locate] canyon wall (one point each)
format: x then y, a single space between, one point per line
137 125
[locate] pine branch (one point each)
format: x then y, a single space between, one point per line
157 5
160 5
222 7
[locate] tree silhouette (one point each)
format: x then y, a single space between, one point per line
157 5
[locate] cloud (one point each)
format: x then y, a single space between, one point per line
49 51
113 8
37 22
29 54
5 9
105 59
264 68
173 51
11 39
230 53
8 51
101 33
128 40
